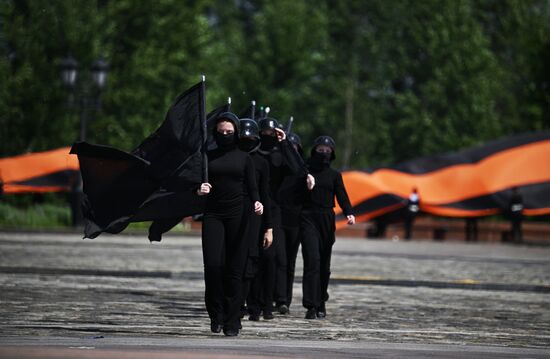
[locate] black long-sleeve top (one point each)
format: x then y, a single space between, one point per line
262 177
283 162
229 172
328 184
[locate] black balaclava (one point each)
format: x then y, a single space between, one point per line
248 144
268 142
229 141
320 160
224 141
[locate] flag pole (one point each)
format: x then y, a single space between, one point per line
289 127
229 104
204 130
253 114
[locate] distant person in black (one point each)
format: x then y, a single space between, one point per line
290 199
317 225
413 207
283 161
515 213
259 229
223 242
471 229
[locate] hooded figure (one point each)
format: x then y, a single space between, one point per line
283 160
290 200
317 225
223 243
259 231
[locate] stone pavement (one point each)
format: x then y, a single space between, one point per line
386 298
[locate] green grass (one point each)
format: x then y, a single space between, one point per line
44 215
52 215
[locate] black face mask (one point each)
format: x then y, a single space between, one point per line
319 159
268 142
224 141
248 144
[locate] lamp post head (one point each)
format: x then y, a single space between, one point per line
99 72
69 71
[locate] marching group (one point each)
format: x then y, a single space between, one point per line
264 200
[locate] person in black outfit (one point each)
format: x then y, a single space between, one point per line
290 199
471 229
515 213
317 225
412 210
283 160
223 243
259 229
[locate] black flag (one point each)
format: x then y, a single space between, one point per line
157 181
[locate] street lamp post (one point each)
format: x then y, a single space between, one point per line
85 96
86 90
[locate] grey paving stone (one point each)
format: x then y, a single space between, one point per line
49 289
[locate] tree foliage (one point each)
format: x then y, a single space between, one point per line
388 80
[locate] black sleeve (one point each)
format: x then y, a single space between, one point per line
341 194
250 179
264 196
293 160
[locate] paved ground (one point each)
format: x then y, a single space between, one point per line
118 296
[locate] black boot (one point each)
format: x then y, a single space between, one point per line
268 315
231 332
311 313
282 308
215 327
322 311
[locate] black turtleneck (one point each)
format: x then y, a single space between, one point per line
328 184
230 170
283 161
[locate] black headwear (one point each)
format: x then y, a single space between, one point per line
295 140
327 141
249 135
249 128
230 117
268 123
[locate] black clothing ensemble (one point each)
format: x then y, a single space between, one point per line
290 198
270 283
515 214
223 241
317 227
256 227
413 208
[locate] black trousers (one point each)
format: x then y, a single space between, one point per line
262 291
292 240
281 267
224 251
517 236
317 229
409 222
254 236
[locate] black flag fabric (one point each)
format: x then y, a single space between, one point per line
156 182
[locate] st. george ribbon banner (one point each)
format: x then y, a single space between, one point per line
475 182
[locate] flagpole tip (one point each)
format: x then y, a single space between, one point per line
203 78
253 103
267 110
229 100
